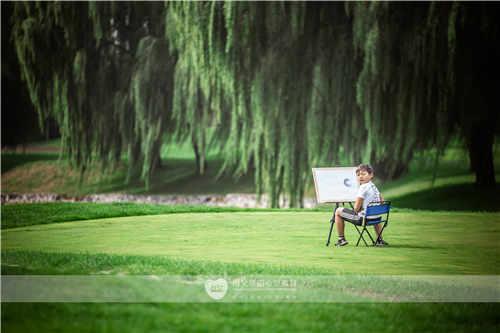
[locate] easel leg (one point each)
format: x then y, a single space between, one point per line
332 222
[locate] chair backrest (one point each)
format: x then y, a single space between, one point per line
378 208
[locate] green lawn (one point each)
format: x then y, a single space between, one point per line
241 242
39 173
132 239
421 242
459 197
36 172
75 317
19 215
14 160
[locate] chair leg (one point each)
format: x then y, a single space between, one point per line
360 235
369 235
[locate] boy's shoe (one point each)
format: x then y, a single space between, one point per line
341 242
381 242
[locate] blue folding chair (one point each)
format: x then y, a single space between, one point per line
374 215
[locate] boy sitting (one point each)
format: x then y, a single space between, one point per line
367 193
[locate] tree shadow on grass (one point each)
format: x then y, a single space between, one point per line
13 160
461 197
179 177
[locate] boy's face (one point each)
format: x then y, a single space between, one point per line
364 176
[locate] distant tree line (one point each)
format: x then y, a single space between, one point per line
277 86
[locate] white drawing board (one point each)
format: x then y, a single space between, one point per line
335 184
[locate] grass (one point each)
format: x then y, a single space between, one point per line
18 215
42 173
176 176
452 245
33 262
74 317
11 161
460 197
87 238
242 242
52 143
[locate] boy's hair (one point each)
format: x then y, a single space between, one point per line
364 167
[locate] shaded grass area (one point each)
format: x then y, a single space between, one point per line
449 187
35 173
180 177
289 240
80 317
423 174
172 150
51 175
18 215
464 197
31 173
14 160
48 144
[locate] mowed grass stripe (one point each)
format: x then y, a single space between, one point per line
19 215
312 285
81 317
18 262
421 243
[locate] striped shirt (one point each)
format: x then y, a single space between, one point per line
369 193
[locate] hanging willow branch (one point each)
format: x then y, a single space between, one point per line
278 87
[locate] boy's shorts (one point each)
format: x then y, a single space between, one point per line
351 216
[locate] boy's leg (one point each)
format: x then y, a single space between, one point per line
339 221
340 227
378 229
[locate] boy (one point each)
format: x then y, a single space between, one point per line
367 193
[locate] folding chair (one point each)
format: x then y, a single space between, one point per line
373 216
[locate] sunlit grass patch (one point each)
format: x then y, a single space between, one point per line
421 242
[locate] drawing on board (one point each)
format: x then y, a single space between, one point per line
335 184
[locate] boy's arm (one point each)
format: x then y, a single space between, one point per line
358 204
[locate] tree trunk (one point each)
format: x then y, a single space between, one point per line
201 162
481 156
387 169
159 163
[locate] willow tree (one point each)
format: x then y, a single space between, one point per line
278 87
476 81
422 79
256 72
19 119
104 72
196 100
309 84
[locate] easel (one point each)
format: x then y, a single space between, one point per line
336 185
332 220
